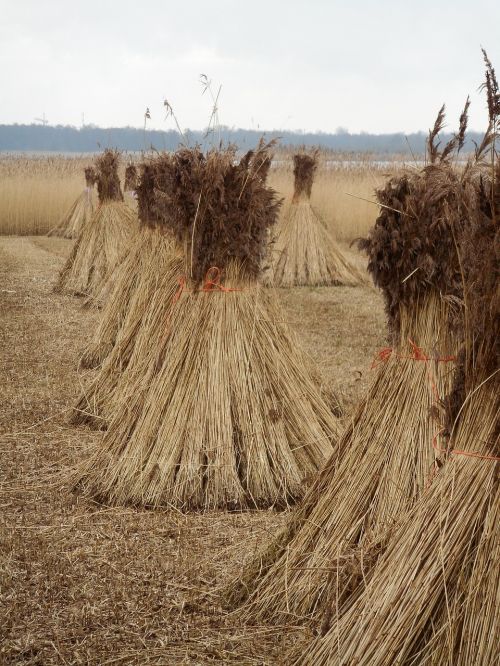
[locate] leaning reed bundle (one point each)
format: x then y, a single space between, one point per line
134 279
80 212
433 596
304 252
335 536
227 413
104 238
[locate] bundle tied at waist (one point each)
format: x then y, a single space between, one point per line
210 283
417 354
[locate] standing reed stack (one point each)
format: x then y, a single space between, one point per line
433 596
304 252
227 412
104 238
80 212
334 537
146 278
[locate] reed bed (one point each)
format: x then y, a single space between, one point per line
75 219
223 410
36 192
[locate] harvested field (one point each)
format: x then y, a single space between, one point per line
84 584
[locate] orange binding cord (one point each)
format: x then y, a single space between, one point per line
212 281
457 452
180 289
417 354
381 357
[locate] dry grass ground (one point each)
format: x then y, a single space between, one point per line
84 584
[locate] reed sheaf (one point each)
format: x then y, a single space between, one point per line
80 212
433 595
218 407
147 277
104 238
318 564
304 251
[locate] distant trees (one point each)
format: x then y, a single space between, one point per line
89 138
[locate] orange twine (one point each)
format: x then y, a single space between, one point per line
210 283
458 452
418 354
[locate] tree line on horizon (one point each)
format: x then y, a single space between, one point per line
89 138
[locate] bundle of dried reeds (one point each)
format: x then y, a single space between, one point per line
105 236
433 595
142 268
80 212
223 410
335 536
304 252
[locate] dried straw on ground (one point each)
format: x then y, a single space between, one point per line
80 212
433 597
334 537
304 252
226 412
105 237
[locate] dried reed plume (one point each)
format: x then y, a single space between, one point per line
131 177
221 409
104 238
304 253
332 541
80 211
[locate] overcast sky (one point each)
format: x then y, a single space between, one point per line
373 65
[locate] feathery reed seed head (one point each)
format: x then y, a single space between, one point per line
411 248
108 182
304 168
221 208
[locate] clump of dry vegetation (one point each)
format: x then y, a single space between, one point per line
105 237
303 252
222 409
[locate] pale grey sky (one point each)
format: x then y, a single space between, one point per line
373 65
